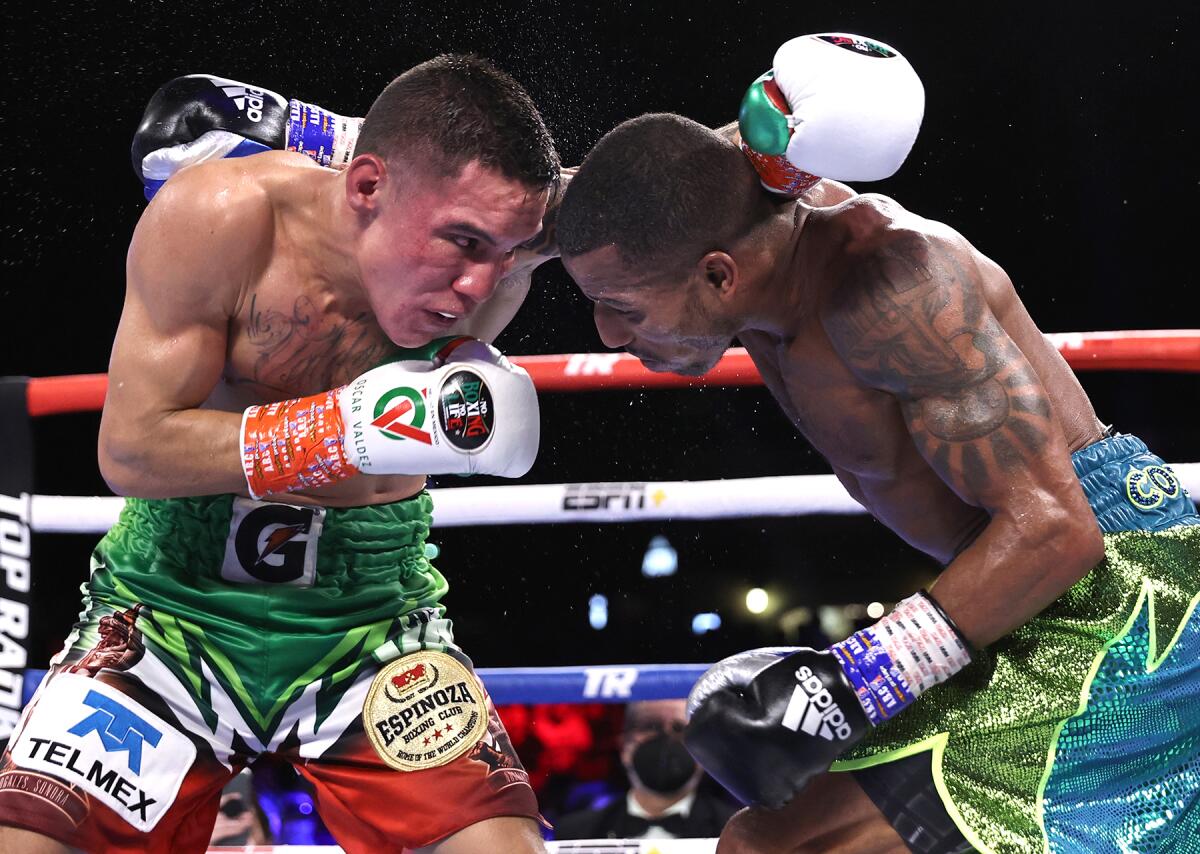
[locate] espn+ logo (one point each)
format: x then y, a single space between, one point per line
812 710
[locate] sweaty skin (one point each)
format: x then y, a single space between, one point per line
906 359
251 281
265 278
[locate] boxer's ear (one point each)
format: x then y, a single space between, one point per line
366 177
720 273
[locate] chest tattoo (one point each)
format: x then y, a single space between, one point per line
305 351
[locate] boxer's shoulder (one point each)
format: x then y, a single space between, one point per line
206 232
867 222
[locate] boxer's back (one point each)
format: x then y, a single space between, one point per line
860 426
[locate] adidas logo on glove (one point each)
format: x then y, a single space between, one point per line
249 101
813 711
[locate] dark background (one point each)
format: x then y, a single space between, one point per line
1060 138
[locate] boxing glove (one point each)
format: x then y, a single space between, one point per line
834 105
765 722
455 407
200 117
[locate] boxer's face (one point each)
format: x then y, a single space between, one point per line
435 246
670 321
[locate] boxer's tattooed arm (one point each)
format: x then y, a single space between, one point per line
305 352
912 320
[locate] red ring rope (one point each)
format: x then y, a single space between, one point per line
1152 350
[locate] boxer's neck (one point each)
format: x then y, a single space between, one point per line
780 291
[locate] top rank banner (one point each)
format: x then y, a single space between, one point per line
16 560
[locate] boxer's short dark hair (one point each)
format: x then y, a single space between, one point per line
661 188
457 108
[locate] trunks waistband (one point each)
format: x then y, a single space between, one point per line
232 539
1131 489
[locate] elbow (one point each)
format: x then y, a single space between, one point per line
121 477
1076 542
123 465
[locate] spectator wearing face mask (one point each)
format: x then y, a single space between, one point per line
239 820
664 800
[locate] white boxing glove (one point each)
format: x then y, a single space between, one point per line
834 105
468 411
458 407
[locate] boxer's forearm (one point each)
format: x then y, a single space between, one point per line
491 318
1015 568
176 454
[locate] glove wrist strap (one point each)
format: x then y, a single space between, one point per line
326 137
294 445
765 128
906 653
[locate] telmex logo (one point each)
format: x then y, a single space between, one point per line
119 729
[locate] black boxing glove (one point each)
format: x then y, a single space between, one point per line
200 117
765 722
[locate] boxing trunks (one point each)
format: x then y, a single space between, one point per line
217 629
1080 731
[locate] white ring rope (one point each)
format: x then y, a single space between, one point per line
555 503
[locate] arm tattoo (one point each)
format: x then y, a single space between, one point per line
305 352
912 320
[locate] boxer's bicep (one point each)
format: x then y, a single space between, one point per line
182 288
915 323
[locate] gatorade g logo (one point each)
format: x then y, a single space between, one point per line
859 45
465 410
400 414
1149 487
272 543
812 710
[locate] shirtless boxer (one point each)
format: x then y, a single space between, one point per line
1066 611
258 357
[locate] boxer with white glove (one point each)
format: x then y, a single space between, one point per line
200 117
455 407
767 721
834 106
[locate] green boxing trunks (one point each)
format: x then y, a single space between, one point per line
1080 731
217 629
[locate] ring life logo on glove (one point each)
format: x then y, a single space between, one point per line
465 411
859 45
400 414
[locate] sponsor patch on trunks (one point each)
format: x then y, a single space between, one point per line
99 741
424 710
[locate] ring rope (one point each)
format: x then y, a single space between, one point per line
1136 350
558 503
610 683
573 846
